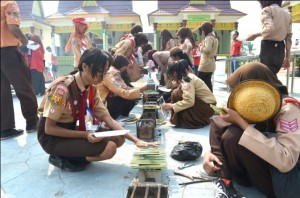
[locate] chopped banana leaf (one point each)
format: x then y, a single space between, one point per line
218 109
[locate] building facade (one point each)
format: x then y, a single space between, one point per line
173 15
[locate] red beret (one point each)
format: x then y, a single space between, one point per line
80 20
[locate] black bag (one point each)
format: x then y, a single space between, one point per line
186 151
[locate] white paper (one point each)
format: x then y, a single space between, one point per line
33 46
164 89
140 83
111 133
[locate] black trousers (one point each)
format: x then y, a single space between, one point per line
272 54
14 71
119 106
206 77
38 82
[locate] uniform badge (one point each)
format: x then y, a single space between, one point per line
52 110
186 87
56 99
60 92
115 83
75 102
289 126
62 87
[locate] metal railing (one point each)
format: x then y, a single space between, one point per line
294 55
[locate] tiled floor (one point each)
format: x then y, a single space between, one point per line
25 171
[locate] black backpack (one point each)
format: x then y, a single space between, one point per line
186 151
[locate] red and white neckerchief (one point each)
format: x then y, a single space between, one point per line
128 36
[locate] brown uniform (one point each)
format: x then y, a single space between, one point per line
248 155
192 104
126 48
58 104
118 97
14 71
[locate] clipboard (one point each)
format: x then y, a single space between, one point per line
111 133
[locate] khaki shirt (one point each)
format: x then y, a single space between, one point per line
124 47
78 49
187 47
163 59
170 44
208 50
113 82
10 15
282 151
56 101
195 88
276 23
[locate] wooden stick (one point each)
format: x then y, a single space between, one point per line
147 191
158 190
133 191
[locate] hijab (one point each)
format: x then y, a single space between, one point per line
255 71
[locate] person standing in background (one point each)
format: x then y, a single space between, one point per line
78 40
14 71
37 65
167 40
276 36
196 56
235 51
186 42
54 63
208 49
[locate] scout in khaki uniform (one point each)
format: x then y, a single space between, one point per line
276 35
208 48
128 47
78 40
65 102
190 102
114 92
257 141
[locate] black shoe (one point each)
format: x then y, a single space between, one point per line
65 164
226 192
31 129
9 133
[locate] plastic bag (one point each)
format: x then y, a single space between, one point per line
187 151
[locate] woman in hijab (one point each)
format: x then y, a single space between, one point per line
247 153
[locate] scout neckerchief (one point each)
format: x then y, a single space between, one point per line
77 101
82 110
91 106
292 100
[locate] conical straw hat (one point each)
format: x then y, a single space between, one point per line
255 100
